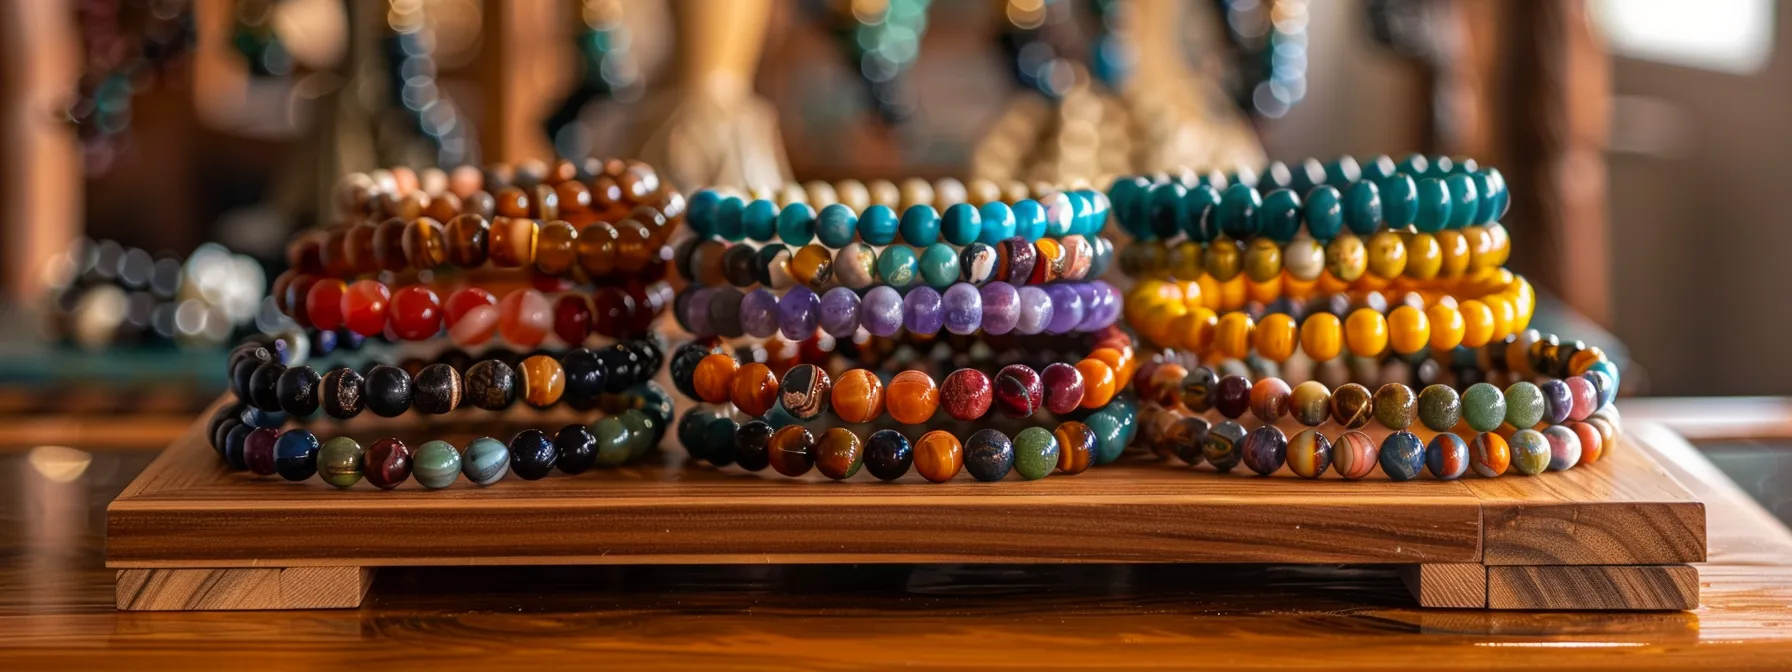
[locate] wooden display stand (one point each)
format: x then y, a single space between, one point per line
191 534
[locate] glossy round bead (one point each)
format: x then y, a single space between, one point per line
1063 387
436 465
1077 447
1309 453
878 225
1530 451
795 224
1355 455
1265 449
1440 408
387 463
714 378
485 461
1321 336
1346 258
1557 401
532 454
839 453
1361 208
436 389
612 441
813 265
855 266
1036 453
966 394
542 380
1564 447
887 454
525 317
1179 437
938 456
1489 455
1366 332
258 450
923 311
989 455
804 391
1592 442
1399 200
1584 398
1402 456
1408 330
1386 254
1232 335
791 451
1198 388
1395 406
577 449
364 307
1310 403
388 391
752 443
961 309
1099 382
1484 407
1447 456
858 396
1352 406
471 315
977 264
998 222
961 224
572 318
1270 398
1220 447
1017 391
1524 405
920 225
297 391
752 388
339 462
323 303
911 397
1232 396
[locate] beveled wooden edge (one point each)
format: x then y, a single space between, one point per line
256 588
1594 587
1446 585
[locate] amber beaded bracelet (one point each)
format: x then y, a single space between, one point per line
581 191
248 441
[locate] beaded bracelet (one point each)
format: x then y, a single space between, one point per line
642 415
859 265
577 377
1430 195
836 225
942 193
938 455
805 391
1387 254
473 315
996 308
579 192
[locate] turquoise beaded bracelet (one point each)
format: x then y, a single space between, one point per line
1079 212
1428 194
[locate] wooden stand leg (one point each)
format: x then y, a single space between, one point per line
1447 585
1615 587
242 589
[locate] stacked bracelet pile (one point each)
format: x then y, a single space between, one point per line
1266 275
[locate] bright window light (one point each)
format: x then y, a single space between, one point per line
1734 36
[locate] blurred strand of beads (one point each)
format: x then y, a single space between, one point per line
127 47
103 295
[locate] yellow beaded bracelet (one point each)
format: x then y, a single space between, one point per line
1388 254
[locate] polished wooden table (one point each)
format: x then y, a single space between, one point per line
56 605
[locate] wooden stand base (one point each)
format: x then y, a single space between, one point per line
190 534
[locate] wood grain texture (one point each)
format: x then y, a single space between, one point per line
1617 587
257 588
1447 585
1625 509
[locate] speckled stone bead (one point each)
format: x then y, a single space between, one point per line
436 465
1354 455
961 309
436 389
295 455
297 391
1310 403
532 454
485 461
387 463
1440 408
989 455
1564 447
1015 260
1402 456
1352 407
792 451
1447 456
1232 396
1395 406
839 453
855 266
1198 388
1265 449
966 394
1017 391
1221 445
804 391
1309 454
1530 451
339 462
1269 399
1484 407
1524 405
1036 453
1557 401
491 385
923 311
1077 447
1489 455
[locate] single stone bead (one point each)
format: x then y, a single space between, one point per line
839 312
1399 200
1564 447
1270 399
258 450
436 389
532 454
1484 407
577 449
1310 402
858 396
855 266
1265 449
989 455
795 225
1309 453
1220 447
920 225
1323 212
799 313
878 225
1402 456
1068 309
1557 401
1352 406
1440 408
998 223
1447 456
1179 438
759 221
962 308
1280 215
759 313
967 394
791 451
839 453
1035 310
1584 398
898 266
1395 406
485 461
977 263
881 311
1465 200
1530 451
771 267
938 456
1524 405
436 465
1232 396
1197 389
1077 447
1434 205
1489 455
804 391
752 445
339 462
387 463
1354 455
388 391
1018 391
961 224
813 265
939 265
923 311
1237 214
1015 259
1036 453
888 454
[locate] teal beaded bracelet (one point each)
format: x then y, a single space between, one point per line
1078 212
1428 194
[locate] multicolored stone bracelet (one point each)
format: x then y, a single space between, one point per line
859 266
641 416
578 377
834 226
1429 195
996 308
988 454
1387 255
